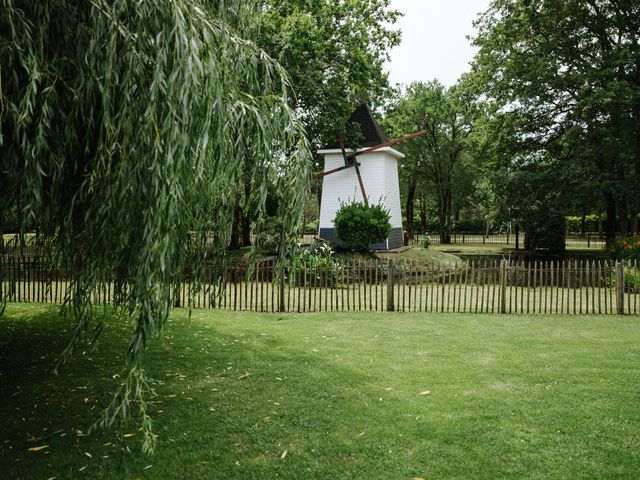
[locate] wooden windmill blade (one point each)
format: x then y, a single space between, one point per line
329 172
388 144
347 162
349 159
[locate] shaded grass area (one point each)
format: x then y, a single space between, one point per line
332 396
420 254
504 250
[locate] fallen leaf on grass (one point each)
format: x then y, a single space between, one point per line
37 449
417 478
425 392
127 435
284 454
242 377
88 454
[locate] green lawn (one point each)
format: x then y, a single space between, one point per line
332 396
420 254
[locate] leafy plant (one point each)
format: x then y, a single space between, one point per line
315 262
627 248
426 242
358 226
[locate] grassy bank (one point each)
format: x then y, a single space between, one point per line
332 396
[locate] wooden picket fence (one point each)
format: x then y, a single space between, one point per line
566 287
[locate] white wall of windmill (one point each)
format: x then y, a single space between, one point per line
379 172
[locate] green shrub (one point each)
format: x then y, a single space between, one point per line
426 242
358 226
476 225
544 230
574 223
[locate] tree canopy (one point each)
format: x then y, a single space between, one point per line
124 132
442 156
564 76
334 52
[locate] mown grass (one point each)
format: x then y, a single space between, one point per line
372 396
420 254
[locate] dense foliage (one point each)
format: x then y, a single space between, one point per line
441 160
125 129
358 225
544 229
334 52
563 81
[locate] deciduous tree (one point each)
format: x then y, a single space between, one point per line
439 156
568 72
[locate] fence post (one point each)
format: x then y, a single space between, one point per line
281 306
620 286
390 285
503 286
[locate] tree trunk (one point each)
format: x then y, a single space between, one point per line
246 231
411 195
246 219
444 215
583 224
423 214
634 219
234 244
622 215
610 222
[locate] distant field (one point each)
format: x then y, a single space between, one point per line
332 396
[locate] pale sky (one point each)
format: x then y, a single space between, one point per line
434 43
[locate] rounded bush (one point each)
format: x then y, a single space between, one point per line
357 226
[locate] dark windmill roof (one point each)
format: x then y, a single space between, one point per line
362 125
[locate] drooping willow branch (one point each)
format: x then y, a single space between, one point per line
124 132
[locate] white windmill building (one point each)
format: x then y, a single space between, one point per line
368 174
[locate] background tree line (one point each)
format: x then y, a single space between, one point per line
546 124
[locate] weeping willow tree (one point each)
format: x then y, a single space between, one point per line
125 130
